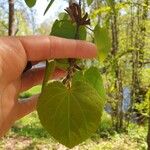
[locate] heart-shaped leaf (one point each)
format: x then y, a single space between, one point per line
30 3
70 115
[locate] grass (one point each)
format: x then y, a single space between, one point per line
35 90
30 92
28 134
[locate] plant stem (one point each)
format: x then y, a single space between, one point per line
50 67
89 28
72 63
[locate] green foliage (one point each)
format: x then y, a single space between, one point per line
82 33
106 123
71 110
66 29
82 122
63 16
93 77
103 42
110 3
129 26
25 95
144 106
62 63
49 5
70 115
30 3
63 28
30 126
50 68
23 25
28 133
89 2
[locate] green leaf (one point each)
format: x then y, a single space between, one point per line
30 3
63 16
62 63
49 5
93 77
78 76
63 28
82 33
66 29
89 2
70 115
50 67
102 41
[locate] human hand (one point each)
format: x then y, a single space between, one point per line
14 54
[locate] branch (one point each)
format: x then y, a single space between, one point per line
123 53
147 62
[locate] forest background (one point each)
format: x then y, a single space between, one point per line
126 72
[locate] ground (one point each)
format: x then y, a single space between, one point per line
28 134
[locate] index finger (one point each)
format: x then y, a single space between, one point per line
49 47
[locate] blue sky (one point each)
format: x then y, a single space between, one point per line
58 6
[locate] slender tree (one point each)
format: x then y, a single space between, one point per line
118 74
148 134
11 30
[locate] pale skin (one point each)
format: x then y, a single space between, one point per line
14 54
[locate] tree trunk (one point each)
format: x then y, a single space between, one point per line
118 78
148 135
11 30
138 59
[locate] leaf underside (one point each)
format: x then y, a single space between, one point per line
70 115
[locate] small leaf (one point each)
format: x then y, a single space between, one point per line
66 29
63 16
70 115
63 28
89 2
102 41
49 5
30 3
